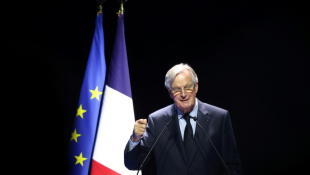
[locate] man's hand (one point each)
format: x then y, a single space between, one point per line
140 126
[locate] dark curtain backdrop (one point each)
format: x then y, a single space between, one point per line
251 58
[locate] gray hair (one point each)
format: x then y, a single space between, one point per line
175 70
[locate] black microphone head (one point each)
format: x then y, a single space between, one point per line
195 118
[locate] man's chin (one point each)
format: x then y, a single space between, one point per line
185 109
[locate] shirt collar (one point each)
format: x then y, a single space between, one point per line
193 113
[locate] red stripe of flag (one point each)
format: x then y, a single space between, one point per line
99 169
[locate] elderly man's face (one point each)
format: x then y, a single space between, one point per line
183 91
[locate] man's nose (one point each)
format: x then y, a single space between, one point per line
183 93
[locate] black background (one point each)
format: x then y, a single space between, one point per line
251 58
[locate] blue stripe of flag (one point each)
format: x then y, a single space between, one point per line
118 76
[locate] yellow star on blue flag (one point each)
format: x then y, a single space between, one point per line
75 136
95 93
80 159
80 111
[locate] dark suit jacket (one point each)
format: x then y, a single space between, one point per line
169 154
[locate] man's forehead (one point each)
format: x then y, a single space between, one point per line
183 82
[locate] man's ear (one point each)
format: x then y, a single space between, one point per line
196 87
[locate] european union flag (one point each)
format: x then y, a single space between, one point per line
85 126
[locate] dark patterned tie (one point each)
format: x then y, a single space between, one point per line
188 136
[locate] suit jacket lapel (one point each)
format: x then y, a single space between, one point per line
204 120
175 130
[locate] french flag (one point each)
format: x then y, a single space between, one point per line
117 116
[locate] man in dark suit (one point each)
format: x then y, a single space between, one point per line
185 146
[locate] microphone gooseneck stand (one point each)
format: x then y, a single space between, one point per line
153 146
195 118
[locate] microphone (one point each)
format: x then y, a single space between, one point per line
195 118
153 145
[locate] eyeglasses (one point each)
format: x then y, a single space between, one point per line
187 89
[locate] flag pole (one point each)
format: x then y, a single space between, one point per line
99 10
121 9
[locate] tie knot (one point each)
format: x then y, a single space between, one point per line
186 117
